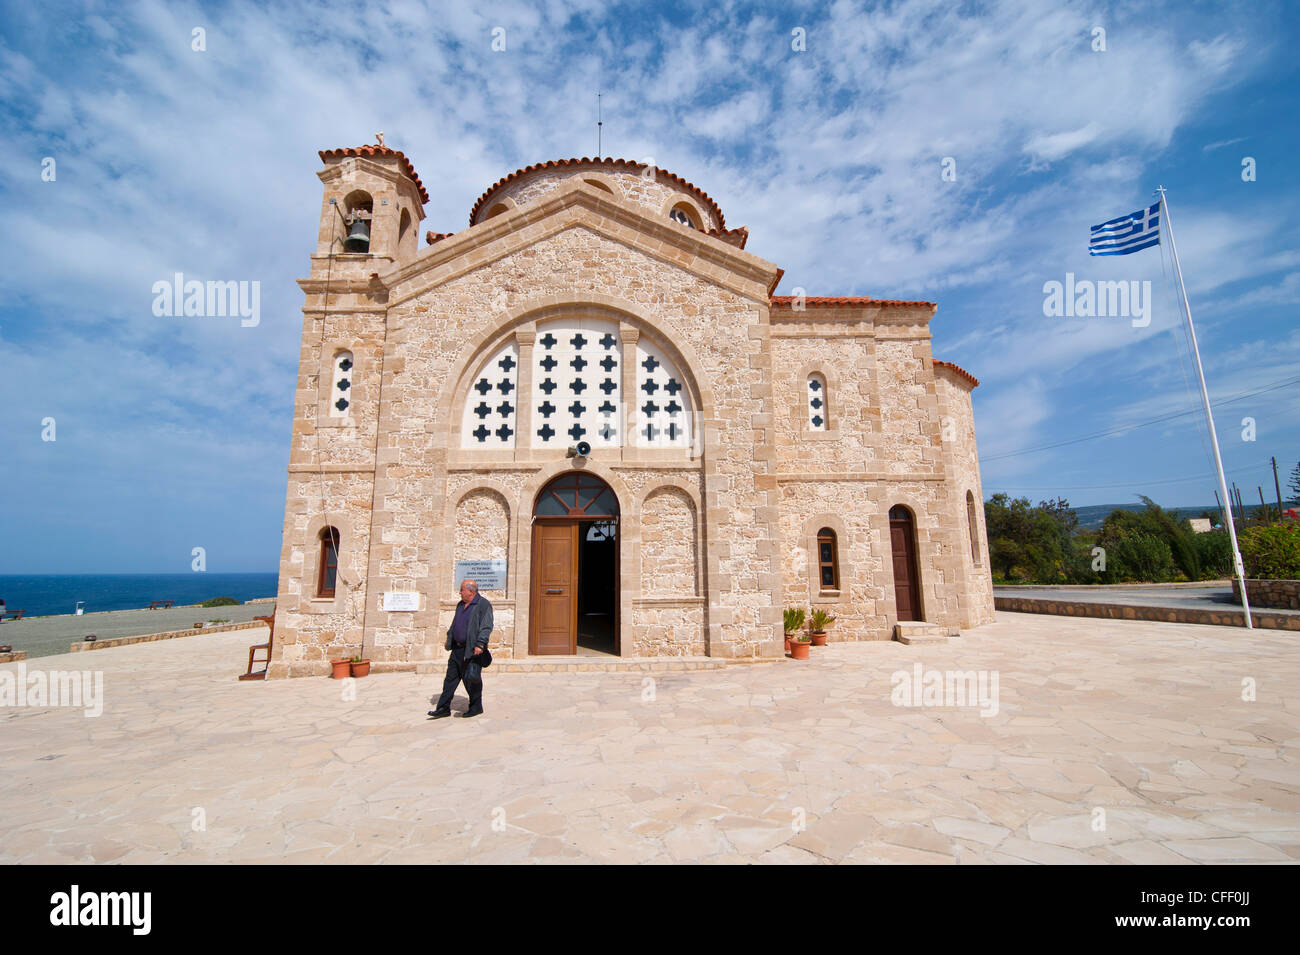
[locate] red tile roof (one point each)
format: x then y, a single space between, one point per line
432 237
975 382
586 161
406 166
845 301
737 237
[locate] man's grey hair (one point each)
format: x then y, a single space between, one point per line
471 584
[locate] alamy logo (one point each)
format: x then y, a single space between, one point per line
84 688
102 908
212 299
946 688
1088 299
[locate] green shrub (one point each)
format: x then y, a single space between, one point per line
1138 557
1214 550
220 602
1271 553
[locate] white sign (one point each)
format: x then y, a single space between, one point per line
401 601
488 574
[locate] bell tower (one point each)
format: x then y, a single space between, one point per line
371 209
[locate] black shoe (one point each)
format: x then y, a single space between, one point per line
469 713
439 714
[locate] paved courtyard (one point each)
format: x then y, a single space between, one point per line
1113 742
47 636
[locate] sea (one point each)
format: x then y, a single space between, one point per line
40 595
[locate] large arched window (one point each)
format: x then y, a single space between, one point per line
973 525
329 562
828 560
577 393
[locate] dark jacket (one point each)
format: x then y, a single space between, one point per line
479 629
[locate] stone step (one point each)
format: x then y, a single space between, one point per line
586 664
917 632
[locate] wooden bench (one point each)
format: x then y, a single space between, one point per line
252 651
12 615
165 604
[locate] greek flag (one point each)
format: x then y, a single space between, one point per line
1130 233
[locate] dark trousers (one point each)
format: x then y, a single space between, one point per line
459 670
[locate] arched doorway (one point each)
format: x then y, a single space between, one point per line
907 578
573 606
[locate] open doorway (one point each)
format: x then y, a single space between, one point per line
597 587
574 588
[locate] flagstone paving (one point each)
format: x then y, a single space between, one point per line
1113 742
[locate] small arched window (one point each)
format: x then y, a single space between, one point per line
973 525
828 560
329 562
684 215
599 185
499 209
817 406
341 394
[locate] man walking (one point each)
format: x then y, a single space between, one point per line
467 638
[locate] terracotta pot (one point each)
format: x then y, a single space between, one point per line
787 643
361 669
819 638
799 649
342 668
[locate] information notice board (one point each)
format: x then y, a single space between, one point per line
488 574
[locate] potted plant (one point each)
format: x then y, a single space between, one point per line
341 669
794 617
817 624
799 644
360 667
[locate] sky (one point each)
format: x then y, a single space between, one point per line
956 153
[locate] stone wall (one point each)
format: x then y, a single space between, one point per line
1110 611
884 445
668 544
708 319
1282 594
964 509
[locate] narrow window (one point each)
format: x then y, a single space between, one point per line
828 562
817 409
329 562
341 394
974 529
403 230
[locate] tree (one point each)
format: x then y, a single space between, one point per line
1294 485
1028 542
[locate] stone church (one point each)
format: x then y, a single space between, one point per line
591 401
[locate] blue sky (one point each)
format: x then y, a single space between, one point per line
172 433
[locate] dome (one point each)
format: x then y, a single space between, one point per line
659 191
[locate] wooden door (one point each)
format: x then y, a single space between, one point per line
554 605
907 584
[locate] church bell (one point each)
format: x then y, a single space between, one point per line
358 239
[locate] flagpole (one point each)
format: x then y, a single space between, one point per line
1209 415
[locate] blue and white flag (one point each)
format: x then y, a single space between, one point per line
1130 233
